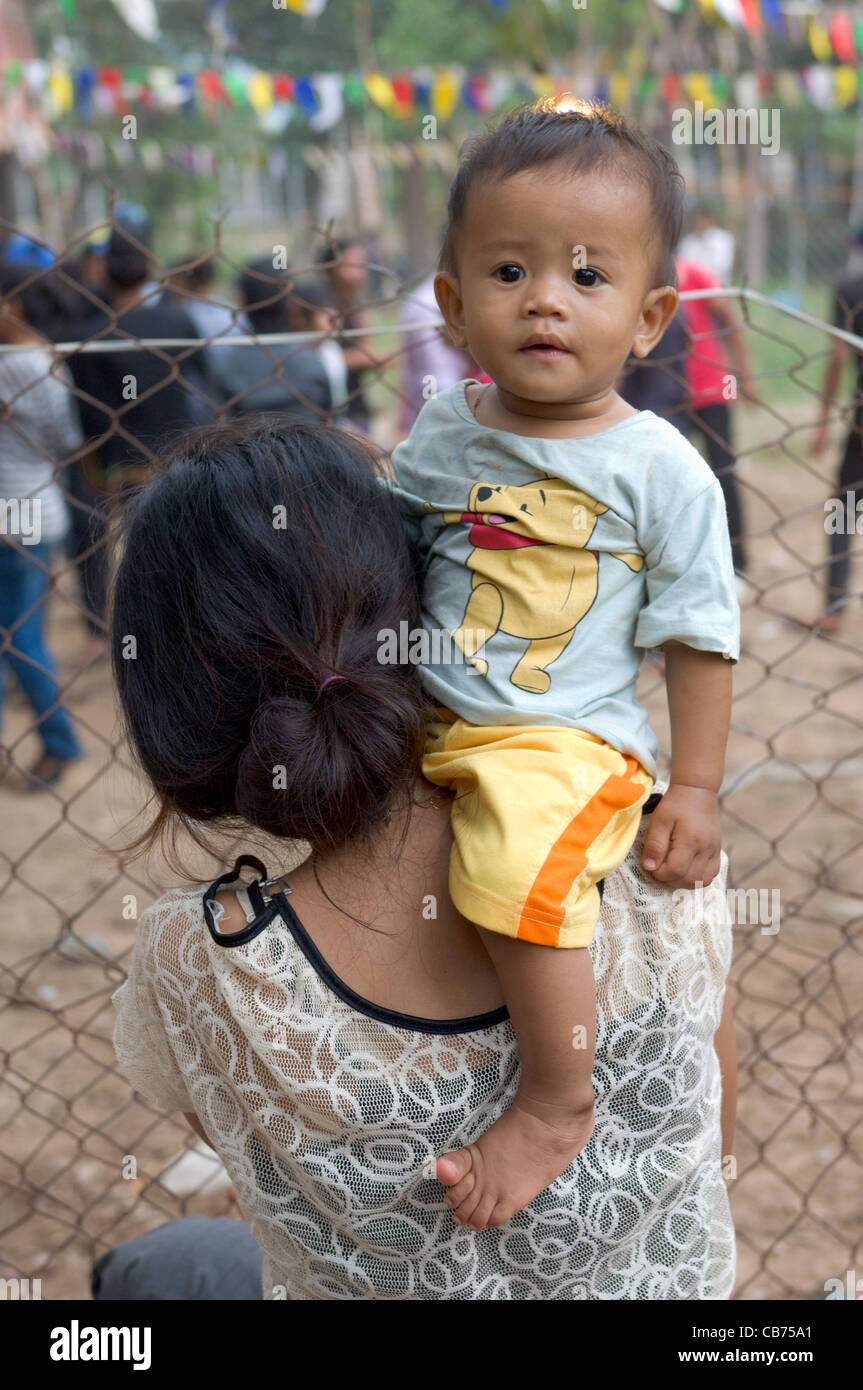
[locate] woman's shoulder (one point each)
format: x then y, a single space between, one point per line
165 924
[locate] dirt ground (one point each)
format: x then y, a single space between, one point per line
793 822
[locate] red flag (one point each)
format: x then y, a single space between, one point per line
841 33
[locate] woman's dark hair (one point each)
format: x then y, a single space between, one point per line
264 293
264 558
583 135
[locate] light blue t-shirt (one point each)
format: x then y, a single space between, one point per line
550 564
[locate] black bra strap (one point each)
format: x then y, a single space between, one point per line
245 861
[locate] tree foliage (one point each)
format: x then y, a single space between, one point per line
405 34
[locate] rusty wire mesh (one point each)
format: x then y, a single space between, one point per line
85 1164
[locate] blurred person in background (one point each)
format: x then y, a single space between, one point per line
847 315
22 250
87 276
345 261
191 286
39 429
710 245
716 375
286 378
134 395
128 400
658 382
309 312
429 363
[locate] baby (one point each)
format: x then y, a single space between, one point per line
561 533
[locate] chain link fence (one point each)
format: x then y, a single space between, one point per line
84 1163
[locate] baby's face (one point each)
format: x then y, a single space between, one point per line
550 254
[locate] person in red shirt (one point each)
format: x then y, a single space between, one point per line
717 368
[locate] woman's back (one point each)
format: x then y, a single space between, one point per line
328 1099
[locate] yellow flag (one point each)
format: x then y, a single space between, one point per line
61 88
444 95
260 91
618 89
380 89
846 85
542 84
697 87
819 41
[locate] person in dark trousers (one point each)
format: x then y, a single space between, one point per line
39 432
848 315
128 401
718 372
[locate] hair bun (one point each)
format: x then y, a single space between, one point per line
324 770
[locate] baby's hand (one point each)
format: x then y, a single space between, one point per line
683 844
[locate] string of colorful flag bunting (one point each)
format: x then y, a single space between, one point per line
321 99
841 35
836 32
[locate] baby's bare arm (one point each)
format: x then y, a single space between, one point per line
683 843
551 999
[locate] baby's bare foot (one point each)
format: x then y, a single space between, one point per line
524 1151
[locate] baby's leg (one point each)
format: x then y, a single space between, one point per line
551 999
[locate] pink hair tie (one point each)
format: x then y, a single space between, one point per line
327 682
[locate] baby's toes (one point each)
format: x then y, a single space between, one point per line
482 1212
503 1209
465 1211
457 1171
461 1192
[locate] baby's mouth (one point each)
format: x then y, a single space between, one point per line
544 345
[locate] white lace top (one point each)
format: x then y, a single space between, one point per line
328 1112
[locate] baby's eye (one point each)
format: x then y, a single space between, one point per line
591 277
509 274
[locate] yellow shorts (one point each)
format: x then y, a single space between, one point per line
541 814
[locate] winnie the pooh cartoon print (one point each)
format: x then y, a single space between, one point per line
534 576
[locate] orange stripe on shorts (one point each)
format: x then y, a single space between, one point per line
543 911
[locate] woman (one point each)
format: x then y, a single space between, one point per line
334 1032
39 432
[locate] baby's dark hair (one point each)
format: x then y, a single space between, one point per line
583 135
263 558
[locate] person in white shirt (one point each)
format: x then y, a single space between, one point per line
710 245
39 431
